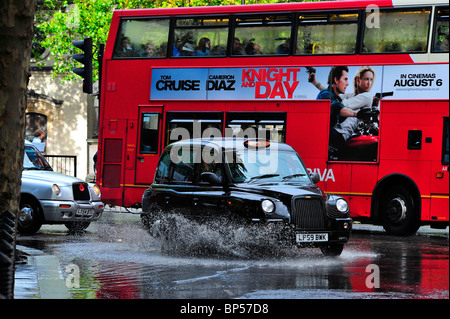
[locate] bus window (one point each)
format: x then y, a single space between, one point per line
398 31
200 36
149 133
262 35
186 125
440 36
327 33
145 38
271 125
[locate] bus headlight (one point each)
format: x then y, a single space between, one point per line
267 206
342 205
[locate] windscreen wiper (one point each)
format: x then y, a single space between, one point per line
288 177
263 176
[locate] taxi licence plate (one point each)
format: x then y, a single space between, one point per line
312 238
84 212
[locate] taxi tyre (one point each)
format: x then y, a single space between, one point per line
332 250
168 233
152 222
398 211
35 216
77 226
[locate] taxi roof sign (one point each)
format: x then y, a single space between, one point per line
257 143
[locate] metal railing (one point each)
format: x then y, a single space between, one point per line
64 164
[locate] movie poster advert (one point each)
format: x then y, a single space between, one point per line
416 82
409 82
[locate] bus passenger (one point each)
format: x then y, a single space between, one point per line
148 50
161 52
126 50
187 49
253 49
237 47
203 48
283 48
443 46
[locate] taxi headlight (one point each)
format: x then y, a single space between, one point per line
342 205
267 206
96 190
56 190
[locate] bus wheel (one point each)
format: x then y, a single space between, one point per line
398 211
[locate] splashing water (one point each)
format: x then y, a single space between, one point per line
219 237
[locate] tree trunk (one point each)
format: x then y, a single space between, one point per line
16 34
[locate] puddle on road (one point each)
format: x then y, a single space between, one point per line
121 260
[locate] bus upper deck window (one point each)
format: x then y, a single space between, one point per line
200 36
143 38
262 35
327 33
441 31
404 30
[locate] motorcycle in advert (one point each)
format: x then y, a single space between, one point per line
363 144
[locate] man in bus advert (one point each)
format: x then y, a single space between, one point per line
337 84
360 98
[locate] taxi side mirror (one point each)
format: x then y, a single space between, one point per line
315 177
211 178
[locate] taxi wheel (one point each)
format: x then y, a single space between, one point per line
170 238
77 226
151 222
332 250
30 218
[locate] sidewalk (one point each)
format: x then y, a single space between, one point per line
39 277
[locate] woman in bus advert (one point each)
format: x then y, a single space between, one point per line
346 106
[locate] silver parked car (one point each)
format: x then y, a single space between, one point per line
48 197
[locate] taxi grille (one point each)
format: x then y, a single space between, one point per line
308 213
81 191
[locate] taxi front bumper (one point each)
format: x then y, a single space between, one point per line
70 211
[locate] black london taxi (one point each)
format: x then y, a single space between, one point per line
258 181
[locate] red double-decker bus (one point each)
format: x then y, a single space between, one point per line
358 88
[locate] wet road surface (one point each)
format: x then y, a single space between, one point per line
116 258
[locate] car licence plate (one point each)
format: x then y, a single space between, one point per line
312 238
84 212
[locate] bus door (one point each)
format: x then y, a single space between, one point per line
440 179
148 143
111 171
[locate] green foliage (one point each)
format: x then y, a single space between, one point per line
58 23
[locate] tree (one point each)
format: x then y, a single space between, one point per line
16 33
